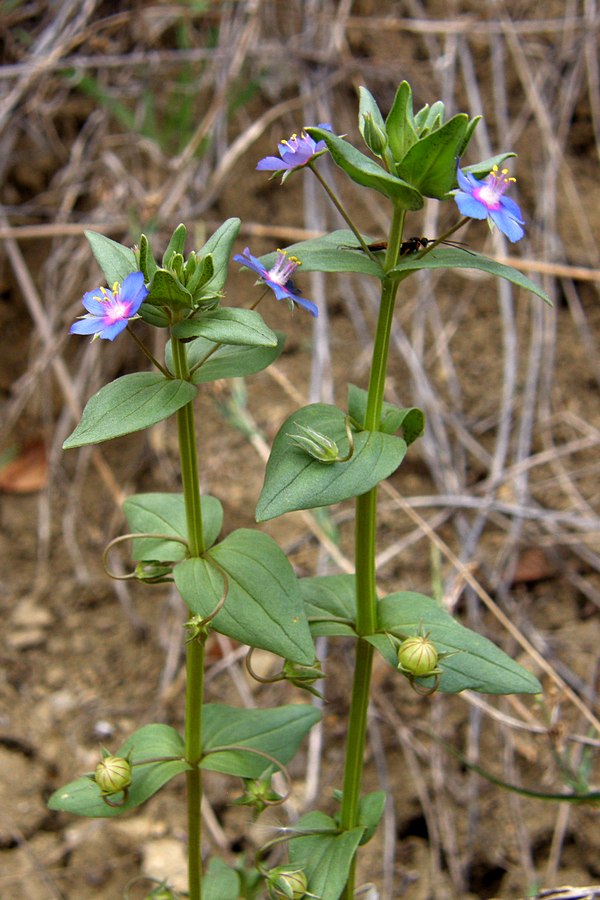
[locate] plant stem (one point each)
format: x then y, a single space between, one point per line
195 647
365 545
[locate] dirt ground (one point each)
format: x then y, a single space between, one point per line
85 661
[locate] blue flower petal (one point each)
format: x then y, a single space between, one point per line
471 207
110 332
93 303
88 325
507 225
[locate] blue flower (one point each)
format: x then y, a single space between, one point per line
293 154
278 278
108 312
485 200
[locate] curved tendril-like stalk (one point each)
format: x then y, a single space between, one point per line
206 620
350 436
131 537
275 762
116 803
272 680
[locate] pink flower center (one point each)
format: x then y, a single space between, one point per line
284 268
494 186
117 310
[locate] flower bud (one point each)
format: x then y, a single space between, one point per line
113 775
375 138
287 884
317 445
153 571
303 677
418 656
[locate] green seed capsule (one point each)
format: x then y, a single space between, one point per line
418 656
113 774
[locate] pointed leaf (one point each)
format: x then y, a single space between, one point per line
363 170
478 665
158 513
455 258
326 856
263 607
330 604
483 168
82 797
129 404
220 246
338 251
115 260
430 164
227 361
294 480
400 123
176 244
229 326
220 881
166 290
147 262
278 731
412 420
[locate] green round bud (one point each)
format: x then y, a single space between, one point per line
113 774
418 656
287 885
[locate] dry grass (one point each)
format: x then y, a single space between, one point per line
120 119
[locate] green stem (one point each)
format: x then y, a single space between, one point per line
340 208
195 647
365 545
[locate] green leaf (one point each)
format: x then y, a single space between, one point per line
338 251
220 882
277 731
364 171
483 168
412 420
229 326
166 290
176 244
227 361
400 123
154 315
330 604
115 260
370 811
455 258
325 857
263 607
147 261
430 164
294 480
129 404
82 797
220 246
478 665
158 513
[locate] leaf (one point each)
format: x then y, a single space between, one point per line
229 326
330 604
220 246
478 665
130 403
400 122
338 251
430 164
115 260
159 513
147 261
325 857
364 171
455 258
166 290
367 107
263 607
277 731
294 480
220 882
412 420
223 361
483 168
82 797
370 811
176 244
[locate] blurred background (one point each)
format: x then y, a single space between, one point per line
128 117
